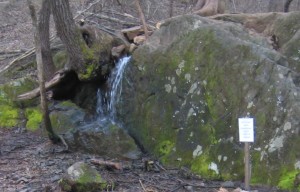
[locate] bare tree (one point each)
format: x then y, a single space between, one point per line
69 34
287 5
43 28
209 7
171 8
142 16
41 76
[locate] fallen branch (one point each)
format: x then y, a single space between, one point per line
58 76
109 164
144 189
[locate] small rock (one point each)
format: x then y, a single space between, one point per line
55 178
22 180
227 184
81 177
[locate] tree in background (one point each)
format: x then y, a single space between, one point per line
287 5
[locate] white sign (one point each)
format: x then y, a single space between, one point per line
246 130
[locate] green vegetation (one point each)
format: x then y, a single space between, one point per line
34 118
8 116
287 180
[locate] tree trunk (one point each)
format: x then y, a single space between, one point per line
171 8
46 120
199 5
287 5
69 34
43 28
142 16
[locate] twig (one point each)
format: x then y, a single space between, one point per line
142 185
64 142
109 164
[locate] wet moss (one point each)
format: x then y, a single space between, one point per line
287 180
9 116
201 166
34 118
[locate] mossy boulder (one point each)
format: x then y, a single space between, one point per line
98 136
81 177
10 107
97 53
189 83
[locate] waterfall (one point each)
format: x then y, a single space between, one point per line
106 102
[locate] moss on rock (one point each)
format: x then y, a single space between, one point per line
34 118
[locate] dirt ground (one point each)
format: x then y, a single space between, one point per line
30 163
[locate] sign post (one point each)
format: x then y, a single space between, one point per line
246 135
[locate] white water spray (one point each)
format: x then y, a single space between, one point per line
106 104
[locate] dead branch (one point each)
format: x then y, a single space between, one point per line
58 76
109 164
142 16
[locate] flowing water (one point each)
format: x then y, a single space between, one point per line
106 102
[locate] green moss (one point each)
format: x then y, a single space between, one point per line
8 116
68 104
64 185
287 180
201 166
34 118
88 73
165 147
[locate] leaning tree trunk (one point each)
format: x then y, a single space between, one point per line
69 34
43 28
142 16
39 59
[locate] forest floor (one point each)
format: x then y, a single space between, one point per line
29 162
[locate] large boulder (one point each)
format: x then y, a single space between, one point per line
189 83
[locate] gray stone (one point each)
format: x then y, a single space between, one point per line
189 83
81 177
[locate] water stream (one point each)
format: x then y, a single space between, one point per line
106 109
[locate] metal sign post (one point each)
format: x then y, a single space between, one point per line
246 135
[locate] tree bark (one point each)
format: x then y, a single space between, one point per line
142 16
39 59
287 5
171 8
43 28
69 34
199 5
